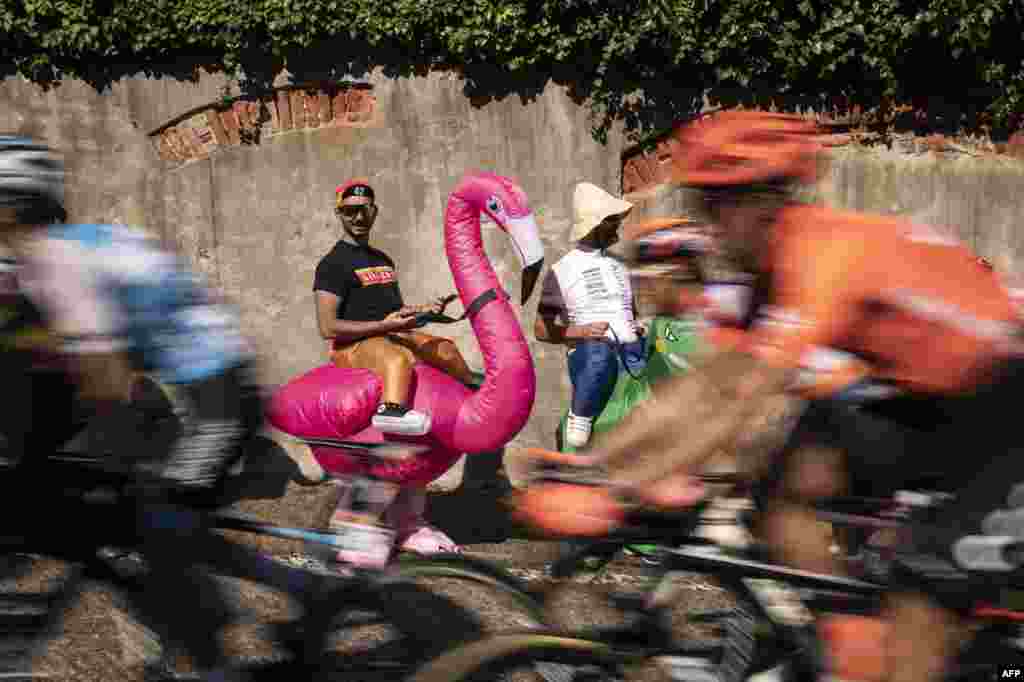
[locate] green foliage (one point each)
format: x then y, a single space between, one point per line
644 62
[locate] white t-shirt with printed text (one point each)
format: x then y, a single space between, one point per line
587 286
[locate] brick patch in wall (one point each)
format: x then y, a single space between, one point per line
1015 145
247 120
324 103
230 122
284 109
298 110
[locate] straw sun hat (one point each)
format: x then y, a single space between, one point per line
590 206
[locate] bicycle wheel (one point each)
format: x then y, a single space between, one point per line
457 567
370 630
553 657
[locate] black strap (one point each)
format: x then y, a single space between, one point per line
619 348
472 309
479 302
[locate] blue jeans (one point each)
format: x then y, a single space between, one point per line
594 367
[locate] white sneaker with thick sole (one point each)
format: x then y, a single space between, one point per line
577 430
401 421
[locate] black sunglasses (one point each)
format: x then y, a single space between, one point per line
353 211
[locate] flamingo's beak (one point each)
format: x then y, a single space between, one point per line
526 238
530 275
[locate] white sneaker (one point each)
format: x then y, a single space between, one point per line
577 430
391 418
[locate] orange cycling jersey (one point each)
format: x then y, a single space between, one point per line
921 309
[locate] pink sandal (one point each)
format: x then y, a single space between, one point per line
427 540
414 533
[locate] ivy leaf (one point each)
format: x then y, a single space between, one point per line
640 63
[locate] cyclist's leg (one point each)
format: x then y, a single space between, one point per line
46 415
938 581
922 638
809 466
932 590
40 515
182 600
834 450
43 508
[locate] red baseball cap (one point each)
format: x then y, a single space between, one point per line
356 187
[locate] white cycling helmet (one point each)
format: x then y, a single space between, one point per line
30 174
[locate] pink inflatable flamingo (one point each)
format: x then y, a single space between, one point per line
329 402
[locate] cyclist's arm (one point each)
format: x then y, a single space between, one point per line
67 286
691 417
688 419
104 378
817 381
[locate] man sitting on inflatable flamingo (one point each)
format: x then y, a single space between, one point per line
361 313
333 404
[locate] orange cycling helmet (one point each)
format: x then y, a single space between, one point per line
747 147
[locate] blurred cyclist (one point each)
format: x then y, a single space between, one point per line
120 305
921 310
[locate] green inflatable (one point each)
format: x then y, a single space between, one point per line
670 343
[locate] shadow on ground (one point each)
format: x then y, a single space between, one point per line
477 511
266 487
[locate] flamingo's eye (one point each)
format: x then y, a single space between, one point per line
494 206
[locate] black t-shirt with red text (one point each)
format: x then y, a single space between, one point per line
363 278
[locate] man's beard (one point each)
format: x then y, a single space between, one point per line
357 232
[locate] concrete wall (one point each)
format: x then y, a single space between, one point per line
976 197
256 218
109 154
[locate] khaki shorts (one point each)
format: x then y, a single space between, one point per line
393 356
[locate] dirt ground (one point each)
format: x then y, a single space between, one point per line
99 642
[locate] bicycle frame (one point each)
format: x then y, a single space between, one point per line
785 599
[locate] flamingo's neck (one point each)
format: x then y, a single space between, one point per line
496 412
464 248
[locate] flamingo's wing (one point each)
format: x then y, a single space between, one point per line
329 402
326 402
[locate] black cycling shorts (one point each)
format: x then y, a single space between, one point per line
971 446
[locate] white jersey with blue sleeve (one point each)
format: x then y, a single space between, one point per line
111 288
